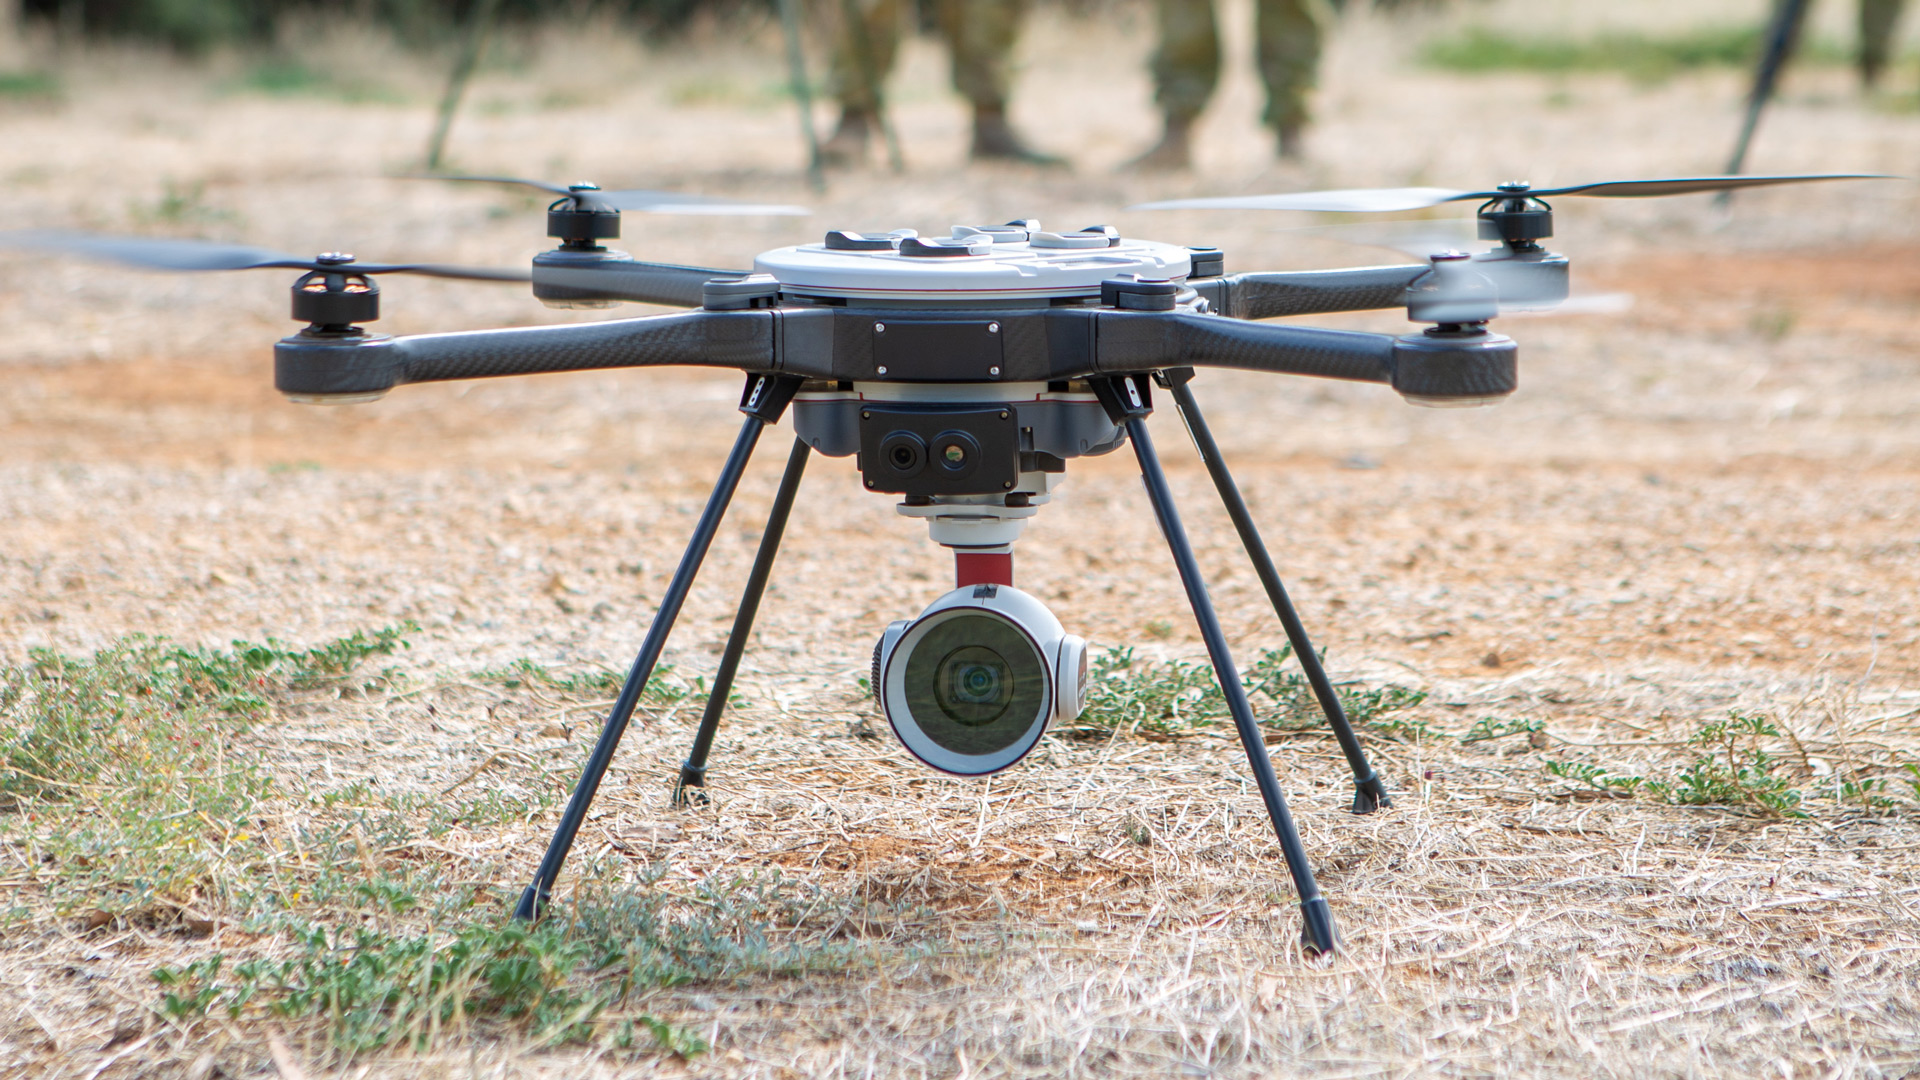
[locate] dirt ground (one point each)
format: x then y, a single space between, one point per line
1709 502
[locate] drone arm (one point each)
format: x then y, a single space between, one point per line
557 276
1270 295
1451 367
1128 341
739 340
358 366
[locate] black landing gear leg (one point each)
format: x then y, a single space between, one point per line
693 771
1126 399
765 400
1370 794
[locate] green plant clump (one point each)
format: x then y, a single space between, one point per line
663 688
1734 770
1481 49
560 981
126 770
1731 768
1173 698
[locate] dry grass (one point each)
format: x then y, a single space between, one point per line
1701 510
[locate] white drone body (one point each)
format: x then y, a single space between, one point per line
977 266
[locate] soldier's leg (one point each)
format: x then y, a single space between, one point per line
982 35
866 40
1878 21
1186 68
1289 35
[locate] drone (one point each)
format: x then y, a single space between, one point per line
963 372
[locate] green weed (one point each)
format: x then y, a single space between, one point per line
1180 697
188 991
282 76
1596 778
1278 678
1489 728
29 85
1730 768
663 688
555 980
376 990
1735 769
132 761
1164 699
1481 49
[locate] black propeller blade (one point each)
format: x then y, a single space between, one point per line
189 255
1388 200
590 197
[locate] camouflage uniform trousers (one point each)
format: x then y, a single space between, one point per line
1186 67
981 34
1878 21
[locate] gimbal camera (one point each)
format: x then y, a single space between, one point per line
965 372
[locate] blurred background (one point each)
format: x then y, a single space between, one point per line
1774 334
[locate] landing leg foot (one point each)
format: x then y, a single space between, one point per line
1317 937
1370 794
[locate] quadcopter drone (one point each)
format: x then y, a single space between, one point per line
963 372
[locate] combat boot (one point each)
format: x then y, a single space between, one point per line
848 146
1290 141
995 140
1174 151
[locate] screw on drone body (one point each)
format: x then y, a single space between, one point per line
993 328
880 370
879 328
995 371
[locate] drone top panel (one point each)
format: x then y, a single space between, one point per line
1020 261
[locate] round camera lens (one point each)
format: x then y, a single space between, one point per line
974 684
956 453
904 453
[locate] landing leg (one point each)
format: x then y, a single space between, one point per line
1129 403
693 771
1370 794
765 399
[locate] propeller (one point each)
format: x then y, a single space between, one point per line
590 198
191 255
1388 200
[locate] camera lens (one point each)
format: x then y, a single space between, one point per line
975 685
956 452
904 453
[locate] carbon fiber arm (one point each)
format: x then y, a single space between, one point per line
559 276
1143 341
1270 295
338 366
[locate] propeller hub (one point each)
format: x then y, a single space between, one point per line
1515 187
583 186
333 258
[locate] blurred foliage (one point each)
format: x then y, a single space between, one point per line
1641 56
194 26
